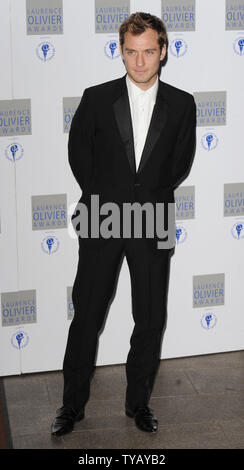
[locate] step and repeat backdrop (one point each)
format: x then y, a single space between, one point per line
51 50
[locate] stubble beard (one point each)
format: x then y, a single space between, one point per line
142 80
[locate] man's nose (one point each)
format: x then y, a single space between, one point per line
140 59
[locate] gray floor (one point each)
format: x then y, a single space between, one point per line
199 402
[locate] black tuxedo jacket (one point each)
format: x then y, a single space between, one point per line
101 146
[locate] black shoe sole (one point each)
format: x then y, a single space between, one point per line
61 433
79 417
129 413
152 431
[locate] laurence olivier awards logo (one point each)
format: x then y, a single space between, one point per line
234 15
233 199
70 306
209 141
45 51
18 307
111 49
14 152
15 118
109 14
184 210
234 207
181 234
70 104
208 320
238 45
49 211
208 290
211 108
19 339
185 202
178 47
50 244
237 230
44 17
178 15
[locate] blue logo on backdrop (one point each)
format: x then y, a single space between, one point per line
234 15
238 230
238 46
50 244
70 305
15 117
208 290
111 49
185 203
211 108
178 47
234 200
19 339
178 15
208 320
14 152
49 212
70 310
181 234
209 141
109 14
44 17
70 105
45 51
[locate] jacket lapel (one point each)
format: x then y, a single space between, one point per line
121 107
123 117
157 123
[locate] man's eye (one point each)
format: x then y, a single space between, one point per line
149 52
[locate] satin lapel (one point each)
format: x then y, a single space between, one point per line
121 108
123 117
158 121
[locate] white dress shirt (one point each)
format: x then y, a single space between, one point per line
141 107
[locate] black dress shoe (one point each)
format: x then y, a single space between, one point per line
144 418
65 420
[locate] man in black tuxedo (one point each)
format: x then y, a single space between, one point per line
131 140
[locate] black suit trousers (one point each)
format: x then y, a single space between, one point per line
93 290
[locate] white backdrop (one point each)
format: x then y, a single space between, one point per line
205 307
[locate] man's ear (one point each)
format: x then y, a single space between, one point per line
121 53
163 52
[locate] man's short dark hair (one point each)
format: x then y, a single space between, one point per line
138 22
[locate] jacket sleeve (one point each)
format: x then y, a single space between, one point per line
80 142
185 146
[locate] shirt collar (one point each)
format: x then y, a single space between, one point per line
134 91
